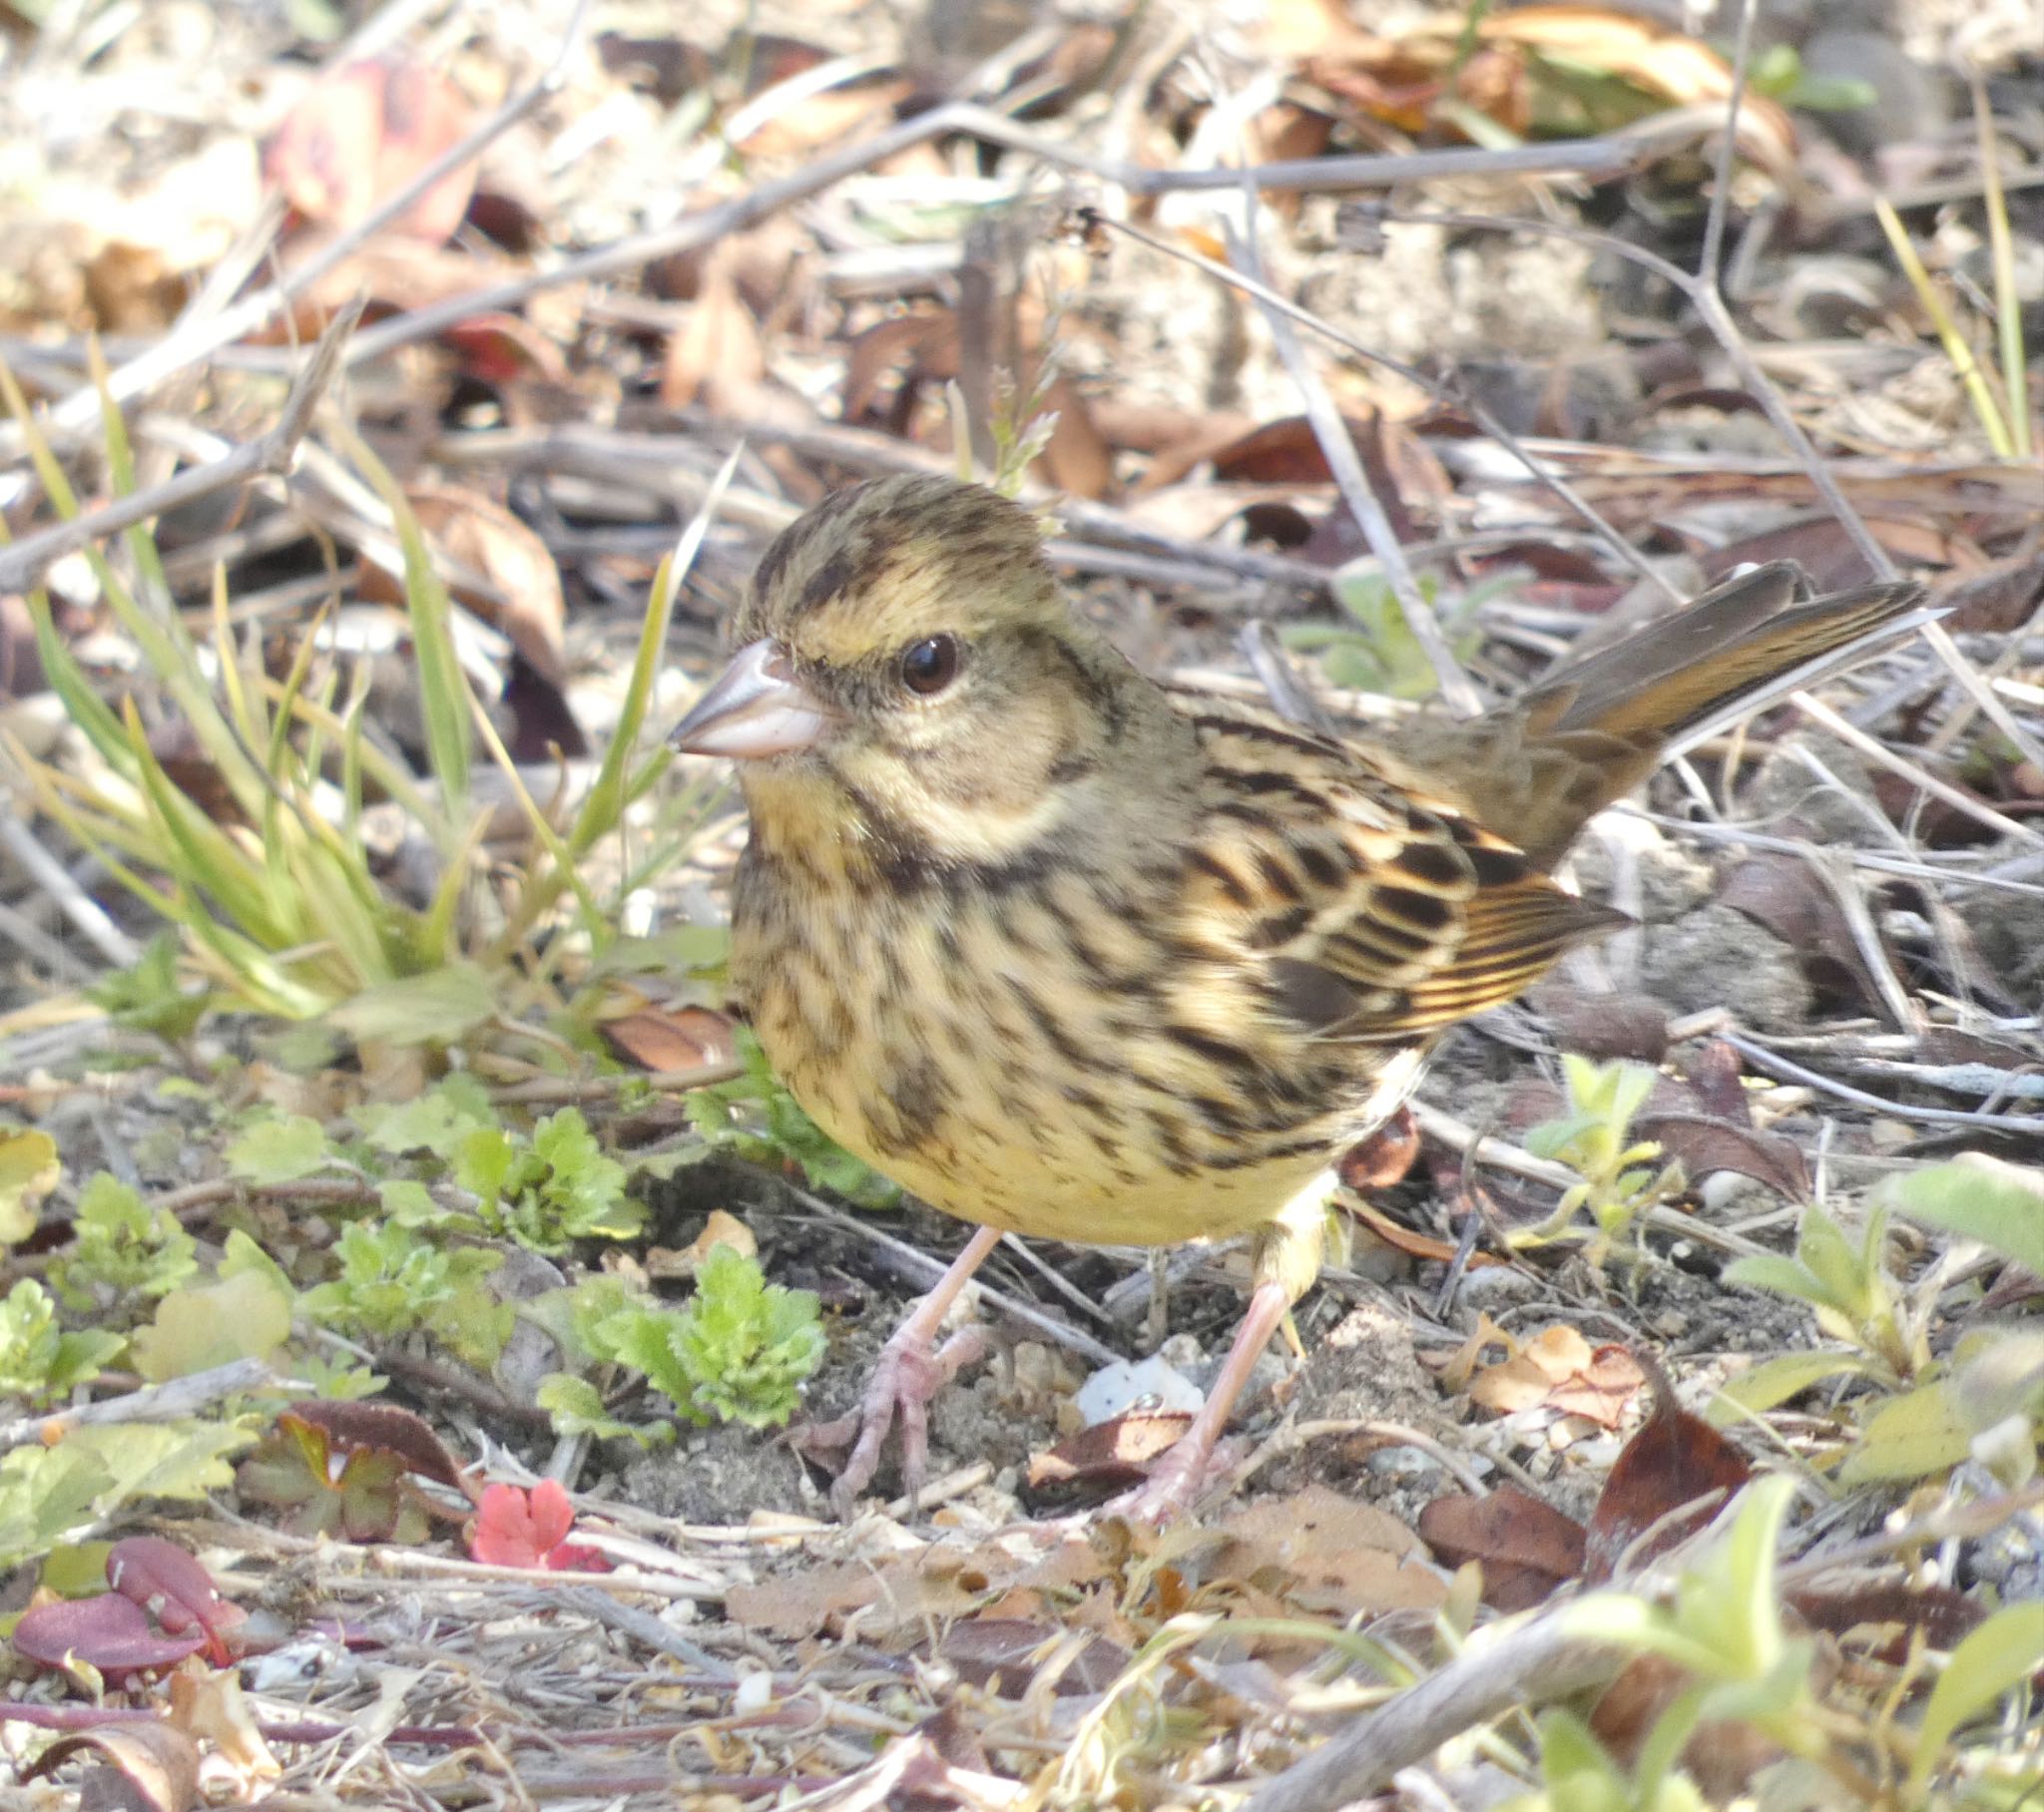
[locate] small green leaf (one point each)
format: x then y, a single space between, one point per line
1773 1381
27 1171
241 1317
576 1406
279 1150
436 1121
2002 1653
1977 1198
1910 1437
40 1361
1827 1255
441 1007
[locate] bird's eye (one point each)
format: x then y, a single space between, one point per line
929 666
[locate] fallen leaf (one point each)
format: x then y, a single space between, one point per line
1676 1461
1112 1453
1330 1553
1704 1145
717 357
360 134
213 1708
106 1633
1015 1653
1557 1370
1525 1547
157 1765
680 1038
164 1580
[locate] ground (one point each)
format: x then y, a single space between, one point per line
1834 979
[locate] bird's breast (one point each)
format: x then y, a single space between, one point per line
1060 1058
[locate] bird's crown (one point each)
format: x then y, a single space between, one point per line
877 565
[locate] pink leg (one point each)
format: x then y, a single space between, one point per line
910 1371
1178 1477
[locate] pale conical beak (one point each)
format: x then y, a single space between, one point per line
756 707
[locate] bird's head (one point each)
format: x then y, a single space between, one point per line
908 663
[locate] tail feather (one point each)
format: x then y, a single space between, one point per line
1706 657
1537 770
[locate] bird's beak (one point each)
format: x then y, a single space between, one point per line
756 707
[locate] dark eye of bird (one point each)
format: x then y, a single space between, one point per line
929 666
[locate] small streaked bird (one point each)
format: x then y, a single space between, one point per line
1073 954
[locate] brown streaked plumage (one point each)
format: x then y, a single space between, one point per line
1071 953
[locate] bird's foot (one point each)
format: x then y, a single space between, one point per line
910 1373
1179 1476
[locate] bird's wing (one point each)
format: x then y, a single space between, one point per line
1376 915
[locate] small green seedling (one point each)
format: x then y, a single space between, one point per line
1620 1180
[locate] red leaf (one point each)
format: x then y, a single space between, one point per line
360 134
514 1529
173 1587
108 1631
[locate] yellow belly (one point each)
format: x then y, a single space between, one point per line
1001 1088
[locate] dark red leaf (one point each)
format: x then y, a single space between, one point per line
111 1632
174 1588
384 1428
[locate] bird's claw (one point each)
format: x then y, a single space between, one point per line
908 1374
1179 1476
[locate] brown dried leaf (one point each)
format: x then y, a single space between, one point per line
524 599
1782 894
1526 1547
1559 1370
212 1708
1329 1551
363 132
1673 1462
1113 1453
1012 1652
717 355
1704 1145
678 1038
1385 1156
2001 599
155 1768
1605 1026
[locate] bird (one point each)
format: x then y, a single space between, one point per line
1075 954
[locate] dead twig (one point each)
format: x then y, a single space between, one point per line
1534 1663
198 336
22 565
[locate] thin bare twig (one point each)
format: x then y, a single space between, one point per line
1331 432
28 559
1268 297
1537 1663
1711 259
198 336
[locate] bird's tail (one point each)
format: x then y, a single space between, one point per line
1536 771
1724 654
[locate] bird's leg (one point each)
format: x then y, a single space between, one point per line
910 1371
1287 1259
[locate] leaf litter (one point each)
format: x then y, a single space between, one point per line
678 1619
